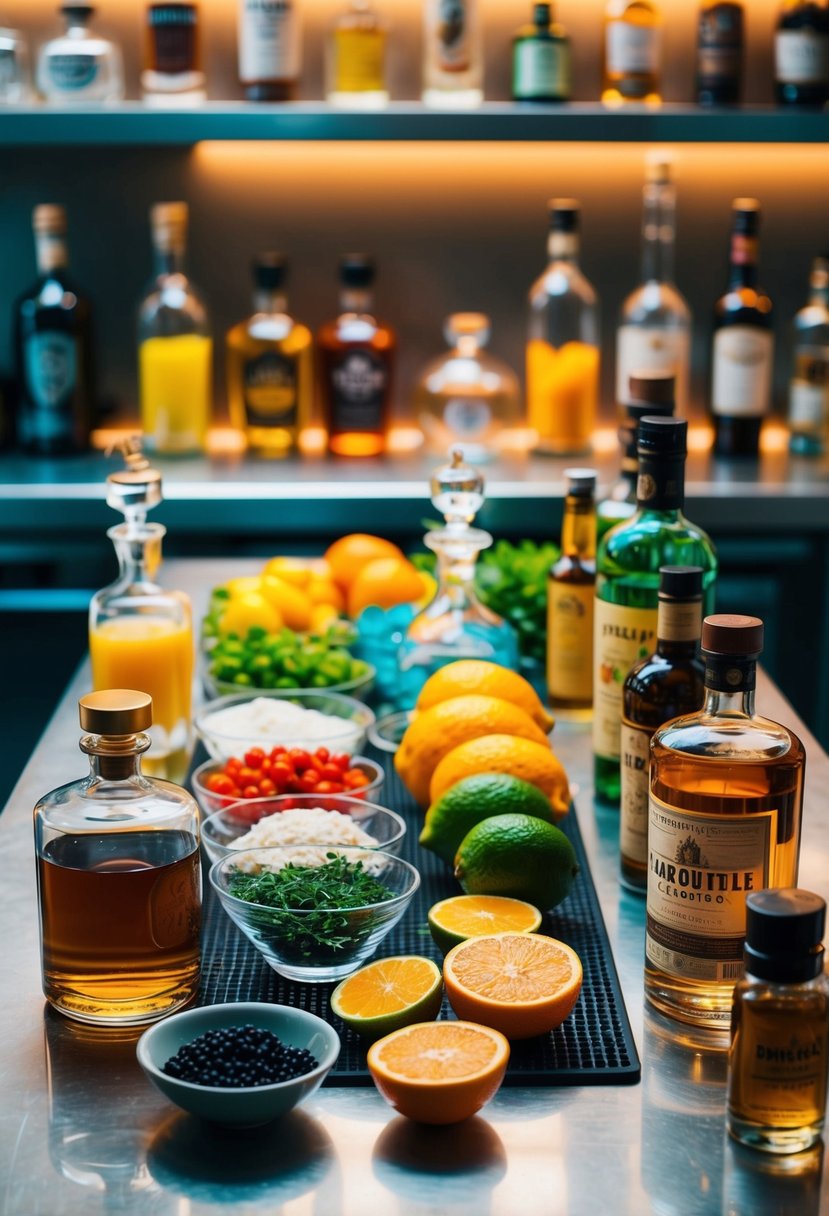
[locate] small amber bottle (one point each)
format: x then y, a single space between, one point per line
570 593
780 1025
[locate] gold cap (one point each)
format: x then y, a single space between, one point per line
116 711
49 219
169 225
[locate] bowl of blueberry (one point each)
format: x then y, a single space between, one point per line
241 1064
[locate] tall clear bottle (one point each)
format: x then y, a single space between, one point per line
631 62
563 342
809 387
141 636
654 332
175 349
648 396
453 56
118 875
627 583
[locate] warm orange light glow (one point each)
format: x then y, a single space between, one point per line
401 439
774 438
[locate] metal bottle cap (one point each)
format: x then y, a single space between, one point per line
680 582
652 388
116 711
784 934
49 219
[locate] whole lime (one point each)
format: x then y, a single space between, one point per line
474 799
517 856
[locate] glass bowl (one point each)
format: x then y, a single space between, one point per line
315 945
386 733
220 831
361 687
211 802
350 717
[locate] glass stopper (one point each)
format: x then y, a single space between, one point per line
135 489
457 491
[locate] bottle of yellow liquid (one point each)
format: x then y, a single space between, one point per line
175 350
141 636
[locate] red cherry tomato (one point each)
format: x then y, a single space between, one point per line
276 752
233 765
220 783
250 791
342 761
254 757
322 753
327 787
308 781
331 772
300 759
266 787
281 774
354 779
267 768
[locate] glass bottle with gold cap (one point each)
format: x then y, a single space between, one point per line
118 876
141 636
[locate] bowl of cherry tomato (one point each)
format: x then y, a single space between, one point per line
261 773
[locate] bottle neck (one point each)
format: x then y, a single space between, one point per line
563 247
658 232
678 628
356 299
743 262
138 548
168 261
115 757
578 529
271 302
51 251
819 289
730 681
660 485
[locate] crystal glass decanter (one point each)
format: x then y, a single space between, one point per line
454 625
467 397
141 636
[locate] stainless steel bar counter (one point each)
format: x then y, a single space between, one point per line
81 1131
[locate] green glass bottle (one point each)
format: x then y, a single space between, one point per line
649 394
627 583
541 59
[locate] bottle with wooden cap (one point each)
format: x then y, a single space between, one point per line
119 882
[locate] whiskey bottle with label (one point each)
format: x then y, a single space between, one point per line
270 49
270 366
724 820
801 53
356 59
355 358
53 348
172 75
453 60
632 52
666 684
648 395
720 40
570 592
627 583
743 352
809 386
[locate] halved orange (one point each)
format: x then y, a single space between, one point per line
388 994
522 984
439 1072
463 916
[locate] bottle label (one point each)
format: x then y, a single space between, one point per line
622 636
644 348
801 57
635 771
720 43
359 383
72 73
700 869
743 358
541 69
467 417
632 48
570 641
269 40
51 364
679 622
809 392
271 391
452 44
173 39
781 1054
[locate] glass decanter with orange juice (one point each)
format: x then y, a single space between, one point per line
141 636
563 345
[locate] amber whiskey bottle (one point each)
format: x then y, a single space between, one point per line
355 358
665 685
570 593
723 820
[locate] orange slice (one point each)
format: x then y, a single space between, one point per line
439 1072
388 994
522 984
464 916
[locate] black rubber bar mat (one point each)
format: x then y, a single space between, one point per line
594 1046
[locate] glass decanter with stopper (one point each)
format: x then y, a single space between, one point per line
455 624
141 636
119 882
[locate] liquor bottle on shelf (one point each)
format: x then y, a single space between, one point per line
355 366
627 583
79 66
15 87
570 593
270 49
118 876
720 40
809 387
654 333
666 684
649 396
172 73
139 634
270 366
631 45
801 53
356 61
541 69
467 398
563 345
53 348
175 350
453 59
743 351
724 819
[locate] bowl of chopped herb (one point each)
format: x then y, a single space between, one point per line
315 912
241 1064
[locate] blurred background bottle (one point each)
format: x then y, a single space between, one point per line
801 53
356 60
270 366
541 68
631 46
563 346
649 395
14 68
809 387
453 60
53 348
175 350
79 66
270 49
172 73
720 47
570 595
